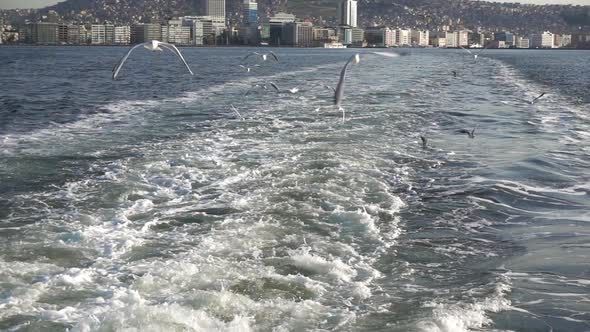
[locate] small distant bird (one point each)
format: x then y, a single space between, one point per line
424 142
236 110
539 97
339 91
263 86
153 46
454 73
470 134
276 87
248 69
264 57
475 55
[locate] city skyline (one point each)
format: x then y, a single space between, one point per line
13 4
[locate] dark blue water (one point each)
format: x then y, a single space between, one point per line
147 203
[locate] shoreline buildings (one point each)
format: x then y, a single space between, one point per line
209 27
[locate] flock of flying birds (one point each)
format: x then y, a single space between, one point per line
158 46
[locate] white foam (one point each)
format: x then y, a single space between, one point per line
464 317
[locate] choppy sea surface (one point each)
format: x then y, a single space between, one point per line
148 204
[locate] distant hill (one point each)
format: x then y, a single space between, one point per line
426 14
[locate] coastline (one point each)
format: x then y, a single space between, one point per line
290 47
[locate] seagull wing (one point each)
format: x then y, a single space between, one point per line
236 110
249 55
274 55
537 98
339 91
484 48
119 65
329 87
175 50
466 50
275 86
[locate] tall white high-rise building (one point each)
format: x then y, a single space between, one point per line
347 13
213 8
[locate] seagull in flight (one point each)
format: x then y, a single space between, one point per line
537 98
470 134
424 142
475 55
339 91
276 87
154 45
263 56
236 110
248 69
263 86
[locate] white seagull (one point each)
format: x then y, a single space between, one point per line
339 91
264 57
248 69
154 45
276 87
475 55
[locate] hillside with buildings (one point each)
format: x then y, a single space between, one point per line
421 14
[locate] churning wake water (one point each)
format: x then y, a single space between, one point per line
146 204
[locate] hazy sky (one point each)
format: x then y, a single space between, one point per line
5 4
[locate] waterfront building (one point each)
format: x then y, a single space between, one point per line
277 36
542 40
522 42
281 18
345 35
357 37
323 36
43 33
299 34
508 38
97 32
438 39
204 29
122 35
62 33
462 38
581 40
109 34
562 40
380 37
451 39
403 37
420 38
141 33
264 32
